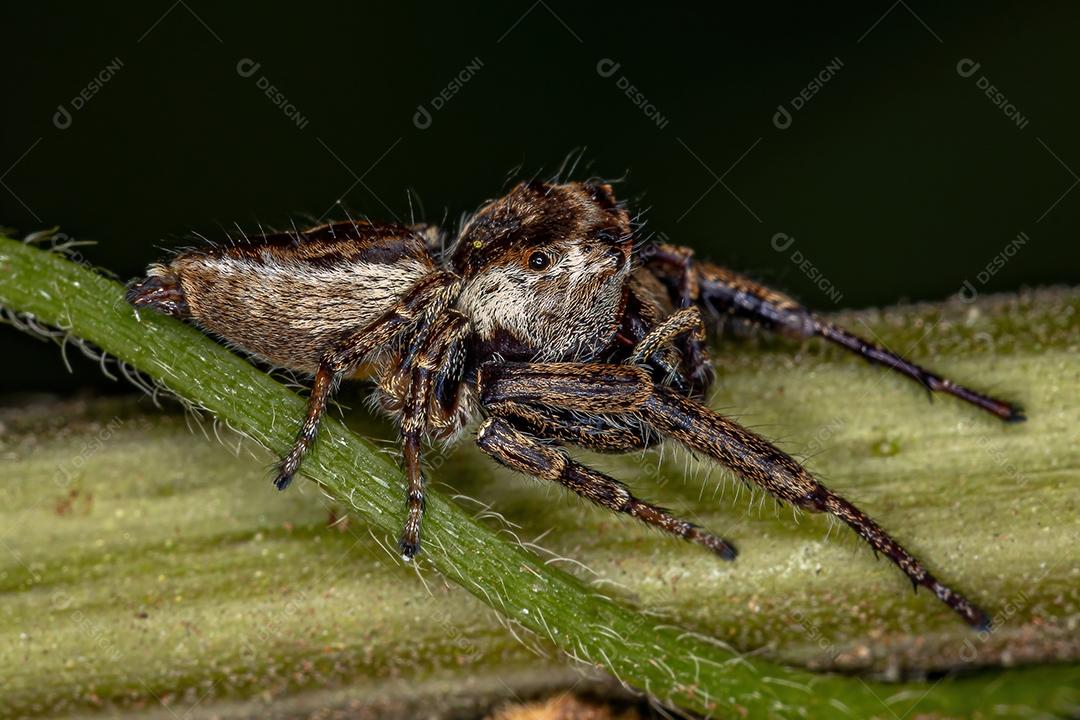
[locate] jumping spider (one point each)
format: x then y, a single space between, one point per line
545 318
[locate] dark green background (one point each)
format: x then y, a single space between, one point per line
899 179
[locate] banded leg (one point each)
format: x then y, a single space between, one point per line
685 293
431 402
618 390
592 432
325 381
682 322
723 292
754 458
412 425
518 451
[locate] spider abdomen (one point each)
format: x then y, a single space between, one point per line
290 301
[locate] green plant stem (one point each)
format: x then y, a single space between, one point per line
672 664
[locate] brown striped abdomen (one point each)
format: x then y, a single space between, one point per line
290 299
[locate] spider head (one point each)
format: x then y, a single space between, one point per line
544 267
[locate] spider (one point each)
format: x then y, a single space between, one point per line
546 318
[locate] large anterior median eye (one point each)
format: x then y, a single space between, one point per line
539 261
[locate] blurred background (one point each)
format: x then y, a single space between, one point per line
856 155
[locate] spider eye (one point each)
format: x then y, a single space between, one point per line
539 261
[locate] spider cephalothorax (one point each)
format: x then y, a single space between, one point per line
545 319
543 270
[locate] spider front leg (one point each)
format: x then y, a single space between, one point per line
624 391
723 292
682 322
685 293
684 329
500 439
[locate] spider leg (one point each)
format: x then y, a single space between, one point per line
348 354
686 292
509 446
686 321
325 381
622 389
685 330
723 292
592 432
754 458
431 399
412 427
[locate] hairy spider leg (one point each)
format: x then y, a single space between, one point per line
614 390
723 292
524 453
592 432
686 321
412 428
348 355
435 378
326 379
684 292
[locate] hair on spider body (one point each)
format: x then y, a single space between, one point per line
549 318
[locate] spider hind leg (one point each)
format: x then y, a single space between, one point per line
510 447
620 391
